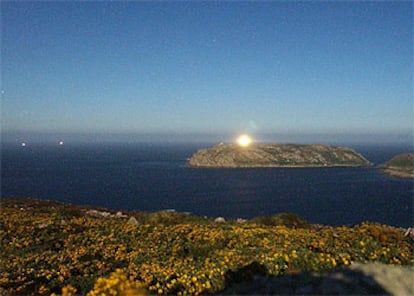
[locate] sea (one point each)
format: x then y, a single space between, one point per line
153 177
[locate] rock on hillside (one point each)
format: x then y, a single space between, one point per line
357 279
276 155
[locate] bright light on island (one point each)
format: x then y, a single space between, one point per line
244 140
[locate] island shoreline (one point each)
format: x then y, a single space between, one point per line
277 156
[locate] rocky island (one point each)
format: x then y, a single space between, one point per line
276 155
401 166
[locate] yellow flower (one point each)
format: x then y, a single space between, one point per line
68 290
42 289
207 285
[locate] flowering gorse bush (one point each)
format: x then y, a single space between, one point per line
55 248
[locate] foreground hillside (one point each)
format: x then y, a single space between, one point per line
276 155
49 247
401 166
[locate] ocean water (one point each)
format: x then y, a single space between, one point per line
153 177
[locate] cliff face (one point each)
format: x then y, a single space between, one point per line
276 155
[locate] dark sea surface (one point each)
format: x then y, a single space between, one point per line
153 177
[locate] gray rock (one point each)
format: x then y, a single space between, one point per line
357 279
409 233
132 221
220 220
396 280
93 213
120 215
105 214
42 225
99 214
241 221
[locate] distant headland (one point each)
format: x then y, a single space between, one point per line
277 156
401 166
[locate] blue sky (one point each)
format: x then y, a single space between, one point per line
221 68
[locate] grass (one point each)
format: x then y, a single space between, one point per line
55 248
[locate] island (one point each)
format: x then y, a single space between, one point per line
276 156
400 166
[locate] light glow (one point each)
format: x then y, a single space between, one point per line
244 140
